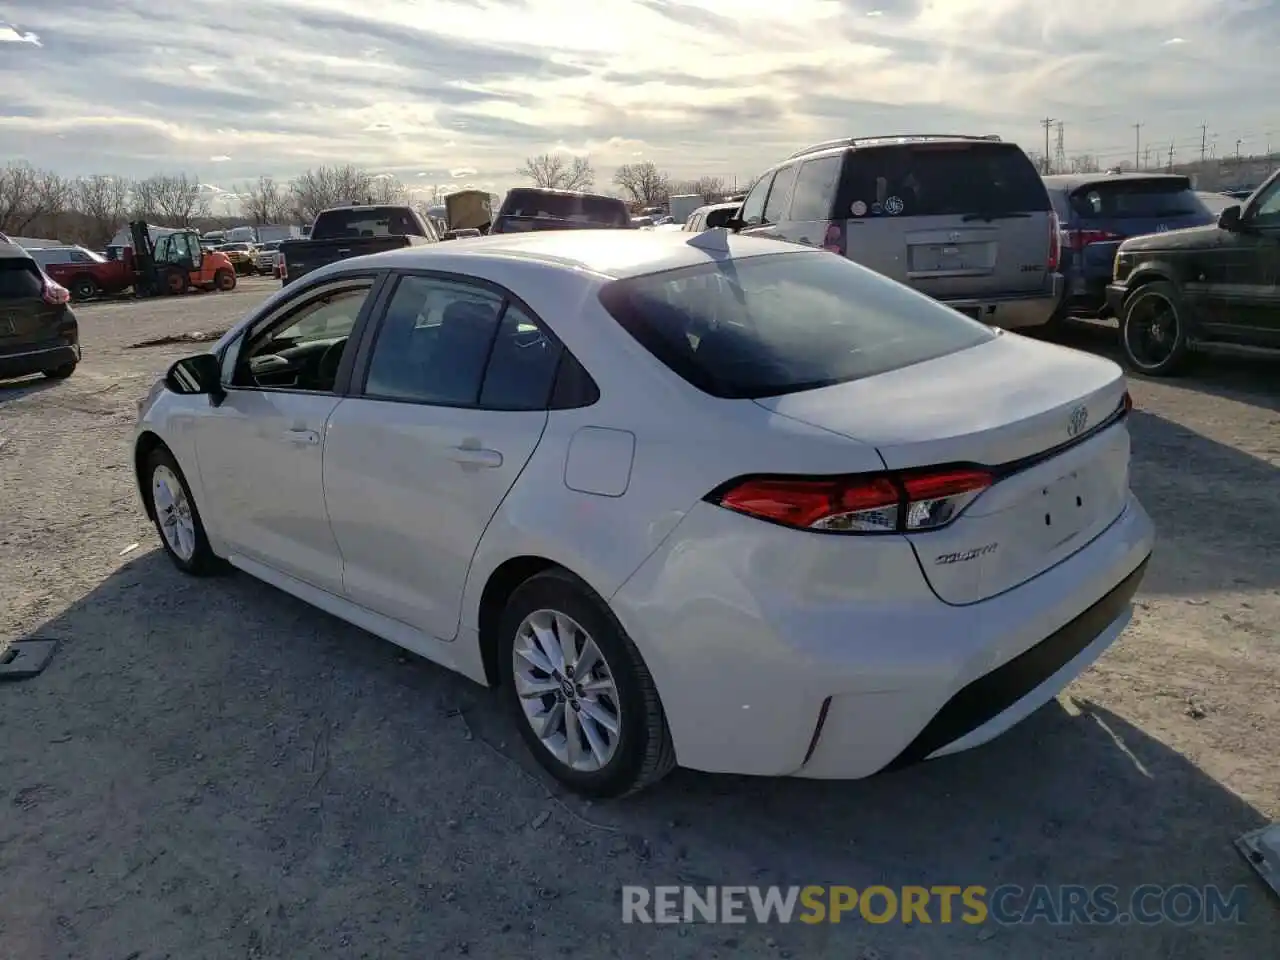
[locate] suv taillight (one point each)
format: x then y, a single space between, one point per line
280 262
1079 239
907 502
1055 243
55 294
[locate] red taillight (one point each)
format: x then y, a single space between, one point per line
55 294
1055 243
881 503
281 265
1079 239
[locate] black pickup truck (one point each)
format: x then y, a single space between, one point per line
344 232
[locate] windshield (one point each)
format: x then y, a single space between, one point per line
775 324
941 179
1131 199
577 208
19 279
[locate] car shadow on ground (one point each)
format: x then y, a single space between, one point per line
1251 380
1213 507
25 387
212 761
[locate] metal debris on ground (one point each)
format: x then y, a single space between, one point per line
129 549
1262 849
197 336
25 659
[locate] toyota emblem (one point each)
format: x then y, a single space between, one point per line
1078 420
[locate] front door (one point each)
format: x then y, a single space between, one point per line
454 403
1244 287
261 450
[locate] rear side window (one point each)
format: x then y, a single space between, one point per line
522 365
941 179
19 279
1124 199
769 325
720 218
815 191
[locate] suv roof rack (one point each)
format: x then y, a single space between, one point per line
854 141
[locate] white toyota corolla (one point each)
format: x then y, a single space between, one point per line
699 499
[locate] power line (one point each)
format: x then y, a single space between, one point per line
1047 122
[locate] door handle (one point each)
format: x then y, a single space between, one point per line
300 435
469 456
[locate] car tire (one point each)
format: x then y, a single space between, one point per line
1157 312
83 288
180 527
224 279
62 372
639 752
174 282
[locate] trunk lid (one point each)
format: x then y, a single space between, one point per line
1035 411
25 318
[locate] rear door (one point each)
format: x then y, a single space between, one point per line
1105 213
26 321
417 462
953 218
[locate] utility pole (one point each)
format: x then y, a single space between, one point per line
1146 157
1238 142
1047 122
1204 134
1137 142
1171 156
1060 151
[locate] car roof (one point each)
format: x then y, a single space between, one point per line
1074 181
607 253
12 251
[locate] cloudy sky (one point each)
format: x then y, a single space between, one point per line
437 91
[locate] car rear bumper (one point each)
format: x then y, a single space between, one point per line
23 361
775 661
1014 311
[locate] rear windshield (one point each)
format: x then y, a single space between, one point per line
576 208
780 323
940 179
19 279
375 222
1124 199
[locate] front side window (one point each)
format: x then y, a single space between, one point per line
1266 211
769 325
779 202
753 206
434 342
305 348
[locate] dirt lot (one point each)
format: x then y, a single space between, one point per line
212 769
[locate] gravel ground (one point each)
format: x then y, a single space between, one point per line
213 769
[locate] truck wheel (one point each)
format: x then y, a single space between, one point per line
225 279
1153 330
175 282
84 288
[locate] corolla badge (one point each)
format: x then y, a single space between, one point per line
1078 420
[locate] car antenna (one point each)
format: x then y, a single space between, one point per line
714 240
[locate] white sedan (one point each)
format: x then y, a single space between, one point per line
702 499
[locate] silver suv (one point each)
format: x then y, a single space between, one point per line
963 219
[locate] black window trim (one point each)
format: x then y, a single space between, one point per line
278 314
769 175
793 167
369 338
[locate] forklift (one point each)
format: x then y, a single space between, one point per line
175 263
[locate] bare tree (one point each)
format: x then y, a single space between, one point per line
1085 163
326 187
265 201
711 189
386 189
176 199
103 202
143 202
31 197
645 183
558 172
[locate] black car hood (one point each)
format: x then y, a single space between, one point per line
1189 238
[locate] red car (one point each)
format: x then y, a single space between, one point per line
85 273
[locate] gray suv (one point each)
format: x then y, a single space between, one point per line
963 219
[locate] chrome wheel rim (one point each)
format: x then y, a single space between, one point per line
566 690
1152 330
173 512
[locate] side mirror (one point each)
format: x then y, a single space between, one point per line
735 223
1229 218
201 374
